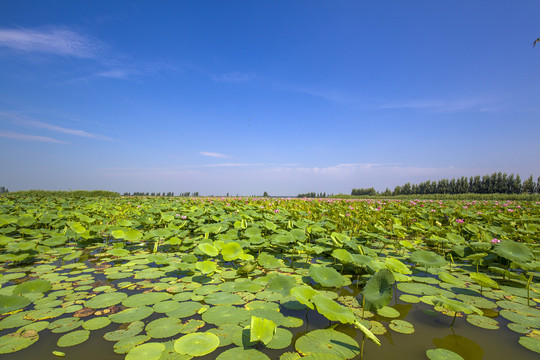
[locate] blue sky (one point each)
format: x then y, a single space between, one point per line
287 97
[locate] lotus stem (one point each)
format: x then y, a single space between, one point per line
455 314
362 347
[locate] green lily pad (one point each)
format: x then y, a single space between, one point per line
146 299
209 249
223 298
327 276
388 312
32 286
132 314
167 306
17 341
10 303
148 351
483 322
186 309
197 344
125 345
427 259
268 261
242 353
530 343
96 323
225 333
164 327
402 326
327 341
304 294
514 251
484 280
133 329
192 325
281 339
442 354
281 284
73 338
231 251
225 314
332 310
65 324
105 300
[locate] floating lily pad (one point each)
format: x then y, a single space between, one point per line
65 324
530 343
73 338
442 354
402 326
148 351
133 329
10 303
327 341
223 298
17 341
241 353
192 325
483 322
96 323
105 300
33 286
132 314
388 312
164 327
125 345
146 299
186 309
225 314
281 339
225 333
197 344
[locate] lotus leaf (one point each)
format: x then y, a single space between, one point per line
427 259
396 266
268 261
133 329
96 323
231 251
530 343
149 298
225 314
65 324
105 300
401 326
163 327
514 251
132 314
241 353
208 249
17 341
327 276
33 286
125 345
262 330
378 290
442 354
73 338
484 280
483 322
281 283
186 309
197 344
148 351
332 310
222 298
10 303
167 306
327 342
388 312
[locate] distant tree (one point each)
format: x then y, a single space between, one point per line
266 194
3 189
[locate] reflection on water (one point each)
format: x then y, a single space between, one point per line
467 348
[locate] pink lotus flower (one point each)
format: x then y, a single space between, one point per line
495 241
460 221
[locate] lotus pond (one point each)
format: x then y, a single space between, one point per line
262 278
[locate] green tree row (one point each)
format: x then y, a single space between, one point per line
496 183
73 194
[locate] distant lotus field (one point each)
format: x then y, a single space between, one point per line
268 278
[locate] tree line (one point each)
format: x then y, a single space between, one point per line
496 183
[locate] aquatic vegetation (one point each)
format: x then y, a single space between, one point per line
241 277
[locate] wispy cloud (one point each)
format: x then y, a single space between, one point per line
213 154
26 137
234 77
480 104
52 41
246 165
19 120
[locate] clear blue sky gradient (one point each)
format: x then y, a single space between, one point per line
279 96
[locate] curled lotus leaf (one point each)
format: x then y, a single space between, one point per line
378 290
397 266
262 330
231 251
209 249
304 294
332 310
484 280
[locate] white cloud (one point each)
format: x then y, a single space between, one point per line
18 120
213 154
52 41
26 137
444 106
